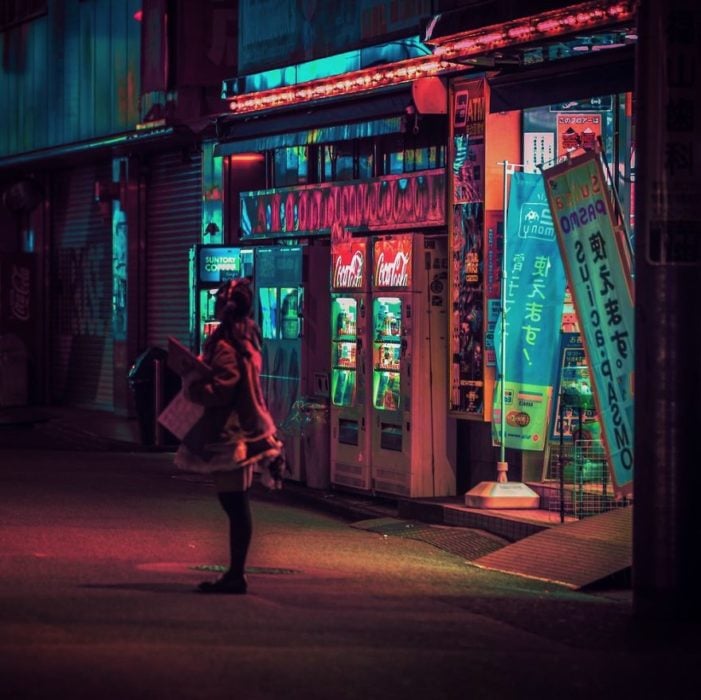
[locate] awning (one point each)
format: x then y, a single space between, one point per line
337 120
599 73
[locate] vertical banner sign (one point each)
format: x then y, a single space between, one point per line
601 286
535 290
466 230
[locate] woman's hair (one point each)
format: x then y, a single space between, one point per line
233 305
234 299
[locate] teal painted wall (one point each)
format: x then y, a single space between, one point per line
71 75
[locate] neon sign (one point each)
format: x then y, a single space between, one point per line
391 202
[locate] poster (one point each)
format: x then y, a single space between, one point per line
467 250
598 274
527 329
573 371
577 131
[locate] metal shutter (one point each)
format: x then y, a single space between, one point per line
173 224
81 364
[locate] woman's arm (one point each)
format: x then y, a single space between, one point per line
217 389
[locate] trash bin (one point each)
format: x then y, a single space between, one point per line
315 442
142 381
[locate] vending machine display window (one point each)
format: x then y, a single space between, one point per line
387 326
344 316
289 319
268 300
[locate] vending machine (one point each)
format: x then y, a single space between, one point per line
350 376
413 440
292 309
212 265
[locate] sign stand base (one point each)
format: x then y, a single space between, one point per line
498 494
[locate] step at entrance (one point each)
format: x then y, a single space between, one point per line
575 554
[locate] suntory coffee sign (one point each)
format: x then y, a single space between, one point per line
349 264
392 262
218 263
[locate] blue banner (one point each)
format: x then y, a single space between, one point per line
534 295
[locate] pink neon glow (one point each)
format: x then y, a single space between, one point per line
246 157
390 74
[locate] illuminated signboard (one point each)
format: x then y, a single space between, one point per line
392 262
218 263
349 264
410 200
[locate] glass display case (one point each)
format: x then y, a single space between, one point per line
387 325
344 353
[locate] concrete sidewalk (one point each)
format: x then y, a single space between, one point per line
82 429
446 522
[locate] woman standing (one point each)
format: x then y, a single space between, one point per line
236 432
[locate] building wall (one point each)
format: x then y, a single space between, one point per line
69 75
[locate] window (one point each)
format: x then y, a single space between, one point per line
360 159
291 166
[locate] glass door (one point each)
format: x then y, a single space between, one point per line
344 350
387 326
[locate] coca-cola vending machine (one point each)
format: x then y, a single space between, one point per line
18 328
350 391
412 438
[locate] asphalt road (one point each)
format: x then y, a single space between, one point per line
100 553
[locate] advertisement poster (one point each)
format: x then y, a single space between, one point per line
467 329
538 150
494 242
528 331
467 250
576 131
573 371
601 286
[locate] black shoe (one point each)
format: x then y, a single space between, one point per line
233 585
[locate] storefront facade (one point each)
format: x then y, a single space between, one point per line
523 92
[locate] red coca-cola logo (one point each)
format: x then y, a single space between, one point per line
20 293
348 275
392 273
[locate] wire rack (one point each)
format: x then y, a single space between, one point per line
586 486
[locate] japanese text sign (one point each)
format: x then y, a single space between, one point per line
602 292
533 298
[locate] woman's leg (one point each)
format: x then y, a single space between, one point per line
232 491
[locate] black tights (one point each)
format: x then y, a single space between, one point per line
238 508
